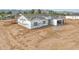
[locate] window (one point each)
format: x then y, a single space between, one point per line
44 22
35 23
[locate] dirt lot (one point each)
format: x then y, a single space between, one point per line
14 36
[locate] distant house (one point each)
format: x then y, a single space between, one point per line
72 17
39 21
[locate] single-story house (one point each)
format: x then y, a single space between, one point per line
72 17
32 21
37 21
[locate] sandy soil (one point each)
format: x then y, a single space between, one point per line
14 36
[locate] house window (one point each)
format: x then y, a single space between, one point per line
35 23
44 22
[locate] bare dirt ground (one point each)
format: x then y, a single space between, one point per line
14 36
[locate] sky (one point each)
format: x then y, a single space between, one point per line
40 4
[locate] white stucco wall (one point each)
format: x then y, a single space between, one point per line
53 22
40 23
25 22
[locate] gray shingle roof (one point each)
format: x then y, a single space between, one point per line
42 17
30 18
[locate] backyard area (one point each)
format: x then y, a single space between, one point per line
14 36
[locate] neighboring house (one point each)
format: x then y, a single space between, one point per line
32 22
39 21
72 17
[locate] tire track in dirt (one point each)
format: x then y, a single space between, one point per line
8 40
17 44
4 38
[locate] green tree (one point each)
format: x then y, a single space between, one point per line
25 12
39 11
2 15
51 12
9 12
32 11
